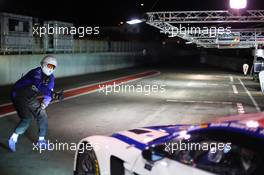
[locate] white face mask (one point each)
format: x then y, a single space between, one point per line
47 71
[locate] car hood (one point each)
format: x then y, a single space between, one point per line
141 138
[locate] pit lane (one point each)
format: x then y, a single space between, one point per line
190 96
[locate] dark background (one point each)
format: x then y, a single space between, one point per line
108 13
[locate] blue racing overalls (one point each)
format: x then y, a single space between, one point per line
24 97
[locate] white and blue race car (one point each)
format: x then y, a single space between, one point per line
232 146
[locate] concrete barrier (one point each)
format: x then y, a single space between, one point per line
12 67
230 63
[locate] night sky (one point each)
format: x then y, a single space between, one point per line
108 13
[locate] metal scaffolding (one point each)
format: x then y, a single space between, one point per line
249 16
168 23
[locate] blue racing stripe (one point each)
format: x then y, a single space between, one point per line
130 141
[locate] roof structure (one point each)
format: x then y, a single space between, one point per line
212 29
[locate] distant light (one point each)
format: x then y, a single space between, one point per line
238 4
121 23
142 4
134 21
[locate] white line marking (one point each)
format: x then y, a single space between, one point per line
234 89
102 82
7 114
217 84
231 79
250 96
96 90
99 89
206 102
6 104
240 108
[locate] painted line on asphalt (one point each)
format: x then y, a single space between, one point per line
205 102
240 108
6 104
76 92
231 79
217 85
250 96
8 109
235 89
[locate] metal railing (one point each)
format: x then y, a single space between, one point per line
77 46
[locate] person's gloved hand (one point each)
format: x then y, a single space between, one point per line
41 107
58 95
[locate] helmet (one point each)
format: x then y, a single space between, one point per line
48 64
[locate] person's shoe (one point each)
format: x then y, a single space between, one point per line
43 145
12 145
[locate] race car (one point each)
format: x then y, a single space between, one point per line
230 145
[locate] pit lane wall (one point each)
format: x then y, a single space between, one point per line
229 63
14 66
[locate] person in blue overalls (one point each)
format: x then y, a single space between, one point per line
24 97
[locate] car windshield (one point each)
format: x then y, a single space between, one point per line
215 155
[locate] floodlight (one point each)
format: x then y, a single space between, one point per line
238 4
134 21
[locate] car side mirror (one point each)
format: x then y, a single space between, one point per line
154 154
